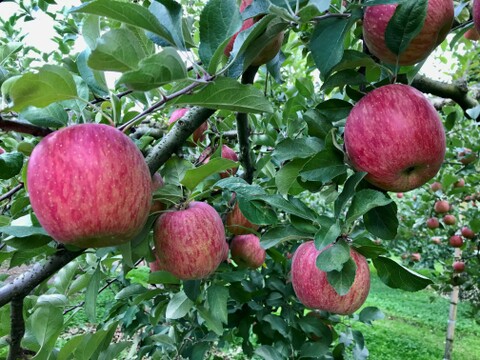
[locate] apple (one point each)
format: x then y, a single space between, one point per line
404 256
476 14
433 223
441 206
2 150
89 186
268 52
313 289
472 34
458 266
459 183
415 257
237 223
455 240
246 251
190 241
226 251
227 153
436 240
437 24
199 134
467 232
466 156
399 195
449 220
157 183
155 265
395 135
436 186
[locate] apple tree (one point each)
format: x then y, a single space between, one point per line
233 171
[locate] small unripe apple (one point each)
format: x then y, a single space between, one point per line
436 240
458 266
237 223
315 292
246 251
227 153
199 134
455 241
433 223
449 220
459 183
467 232
441 206
436 186
416 257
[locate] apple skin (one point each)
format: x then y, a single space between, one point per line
227 153
458 266
247 252
467 232
433 223
476 15
449 220
441 206
313 290
436 240
155 265
440 15
399 195
415 257
157 183
89 186
190 243
472 34
199 134
436 186
459 183
2 150
237 223
455 241
268 52
466 156
396 136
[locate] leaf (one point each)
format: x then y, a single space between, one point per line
257 212
334 257
327 234
93 78
277 323
23 231
365 200
288 206
323 167
343 78
174 170
210 321
268 352
195 176
297 148
405 24
275 235
348 191
50 84
162 277
91 294
46 324
169 15
343 280
10 165
397 276
178 306
287 176
217 297
54 116
314 350
382 221
127 13
369 314
53 300
334 109
154 71
8 50
228 94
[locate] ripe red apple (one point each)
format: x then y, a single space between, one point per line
436 186
472 34
313 289
157 183
89 186
437 24
268 52
246 251
396 136
467 232
436 240
190 242
455 241
466 156
433 223
199 134
399 195
415 257
237 223
441 206
476 14
459 183
458 266
155 265
227 153
449 220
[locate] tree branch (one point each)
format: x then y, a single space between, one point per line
23 127
11 192
17 328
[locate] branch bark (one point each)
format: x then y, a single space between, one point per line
23 127
17 328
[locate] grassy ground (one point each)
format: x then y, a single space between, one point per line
415 326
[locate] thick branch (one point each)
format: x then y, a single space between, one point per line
17 328
22 285
23 127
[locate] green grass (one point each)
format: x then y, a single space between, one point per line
415 326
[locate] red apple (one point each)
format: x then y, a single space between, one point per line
399 195
471 34
89 186
415 257
246 251
396 136
455 240
433 223
436 186
436 240
459 183
226 251
227 153
467 232
441 206
449 220
268 52
458 266
2 150
237 223
476 14
155 265
437 24
313 289
199 134
466 156
190 242
157 183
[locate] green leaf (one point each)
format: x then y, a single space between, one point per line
91 31
50 84
297 148
162 277
117 50
210 321
334 257
365 200
334 109
343 78
277 323
195 176
397 276
92 293
382 221
10 164
257 212
93 78
369 314
348 191
314 350
275 235
287 176
23 231
178 306
217 297
54 116
174 170
268 352
156 70
46 324
323 167
405 24
8 50
287 205
228 94
55 300
353 59
343 280
327 234
127 13
169 15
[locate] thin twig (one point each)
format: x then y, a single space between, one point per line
11 192
107 284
